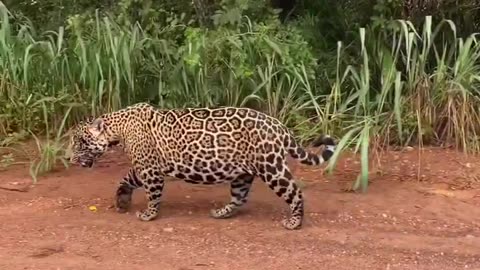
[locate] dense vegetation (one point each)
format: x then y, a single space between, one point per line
373 73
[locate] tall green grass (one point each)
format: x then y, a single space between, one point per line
406 87
410 88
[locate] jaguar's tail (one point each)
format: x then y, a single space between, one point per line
298 152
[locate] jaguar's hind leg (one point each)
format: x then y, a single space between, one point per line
280 180
239 189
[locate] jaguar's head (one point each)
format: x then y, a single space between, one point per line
88 142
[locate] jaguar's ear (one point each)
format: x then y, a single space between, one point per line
89 119
96 127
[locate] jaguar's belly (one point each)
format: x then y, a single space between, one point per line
205 176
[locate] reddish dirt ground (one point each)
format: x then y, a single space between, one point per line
410 218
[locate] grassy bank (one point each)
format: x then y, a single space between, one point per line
393 85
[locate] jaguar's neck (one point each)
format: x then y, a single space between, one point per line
119 124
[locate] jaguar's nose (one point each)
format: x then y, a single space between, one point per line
87 163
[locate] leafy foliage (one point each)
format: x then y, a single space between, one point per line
358 70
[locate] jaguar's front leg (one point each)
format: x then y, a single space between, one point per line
153 184
123 196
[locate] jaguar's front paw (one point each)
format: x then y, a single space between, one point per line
123 200
123 203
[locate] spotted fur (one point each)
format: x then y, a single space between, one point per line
200 146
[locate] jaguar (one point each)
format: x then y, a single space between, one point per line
208 146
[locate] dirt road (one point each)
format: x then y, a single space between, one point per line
401 223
